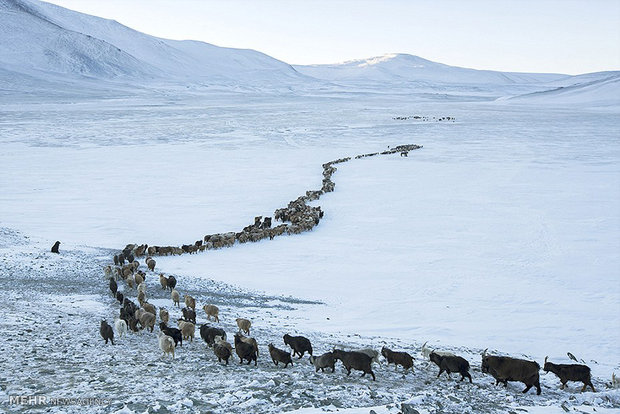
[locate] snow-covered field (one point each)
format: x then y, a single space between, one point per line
501 233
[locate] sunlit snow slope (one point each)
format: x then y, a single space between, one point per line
408 68
39 37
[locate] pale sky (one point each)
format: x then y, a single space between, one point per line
562 36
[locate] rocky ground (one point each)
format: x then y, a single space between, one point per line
50 346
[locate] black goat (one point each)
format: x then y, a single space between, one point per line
245 351
106 332
266 223
300 344
505 369
174 333
130 306
113 287
132 323
324 361
172 282
354 360
189 315
451 363
570 372
208 334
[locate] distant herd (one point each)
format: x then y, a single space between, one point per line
424 118
300 217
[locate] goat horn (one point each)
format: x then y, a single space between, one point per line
485 352
546 359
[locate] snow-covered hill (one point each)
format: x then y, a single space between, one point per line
50 50
401 68
592 89
30 42
38 38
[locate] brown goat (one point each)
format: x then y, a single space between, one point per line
398 358
278 355
244 325
190 302
212 311
164 315
245 351
163 281
505 369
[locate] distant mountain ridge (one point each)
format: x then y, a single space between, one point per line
399 67
46 48
598 89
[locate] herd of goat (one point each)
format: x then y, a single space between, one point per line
300 217
135 318
296 217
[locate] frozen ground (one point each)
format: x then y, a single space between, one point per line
501 233
52 306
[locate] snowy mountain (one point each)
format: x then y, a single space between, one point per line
37 38
32 42
592 89
403 68
48 49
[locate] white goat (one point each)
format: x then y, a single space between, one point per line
373 354
121 327
426 352
166 344
188 329
107 271
176 298
221 341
